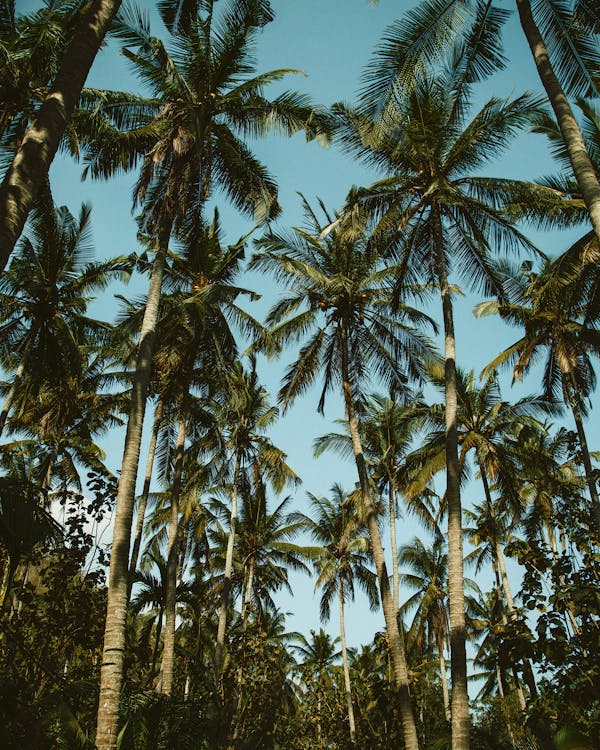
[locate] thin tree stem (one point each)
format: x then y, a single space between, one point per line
396 642
456 590
347 685
394 544
141 511
222 625
111 673
168 659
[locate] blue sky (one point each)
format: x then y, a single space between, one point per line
331 41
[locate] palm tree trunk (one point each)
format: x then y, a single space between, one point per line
248 591
583 167
503 584
394 545
444 677
155 649
111 673
141 513
395 639
32 161
168 659
222 626
7 582
346 668
456 587
570 392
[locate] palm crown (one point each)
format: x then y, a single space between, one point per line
205 99
340 298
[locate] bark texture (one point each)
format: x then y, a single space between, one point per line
346 667
585 451
222 626
396 642
394 543
111 673
168 659
141 513
456 588
38 148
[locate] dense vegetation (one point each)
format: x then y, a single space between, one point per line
168 634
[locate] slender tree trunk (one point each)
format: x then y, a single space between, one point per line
396 641
168 659
7 583
520 693
444 677
456 590
155 649
37 150
141 512
503 584
394 545
583 168
248 591
571 397
222 626
111 674
246 600
346 668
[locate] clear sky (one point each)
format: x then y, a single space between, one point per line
331 41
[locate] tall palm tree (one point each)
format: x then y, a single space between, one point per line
388 427
247 456
450 219
341 298
151 592
428 578
195 339
563 42
33 46
44 296
188 136
561 328
265 545
343 561
31 163
547 472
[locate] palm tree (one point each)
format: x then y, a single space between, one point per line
62 424
562 39
430 153
265 546
429 580
31 163
195 339
33 46
388 427
341 296
186 139
23 525
547 472
342 561
247 455
44 296
560 327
